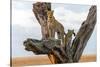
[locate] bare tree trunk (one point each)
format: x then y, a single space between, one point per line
84 34
71 54
40 11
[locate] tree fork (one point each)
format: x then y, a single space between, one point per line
45 45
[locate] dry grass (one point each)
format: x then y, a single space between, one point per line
38 60
32 60
88 58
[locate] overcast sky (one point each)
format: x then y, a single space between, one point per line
25 25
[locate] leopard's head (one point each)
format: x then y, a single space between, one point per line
50 15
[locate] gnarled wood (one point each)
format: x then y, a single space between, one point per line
53 46
84 34
40 11
40 46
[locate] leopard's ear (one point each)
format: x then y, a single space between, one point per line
68 30
74 34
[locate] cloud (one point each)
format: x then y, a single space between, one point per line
24 18
70 19
22 14
19 35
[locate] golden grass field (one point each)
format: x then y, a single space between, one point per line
43 59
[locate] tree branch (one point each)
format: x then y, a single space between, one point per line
84 34
53 46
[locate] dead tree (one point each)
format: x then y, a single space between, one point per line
40 11
71 53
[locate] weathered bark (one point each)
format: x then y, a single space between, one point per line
40 11
40 46
62 54
84 34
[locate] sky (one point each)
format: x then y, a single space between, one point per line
25 25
